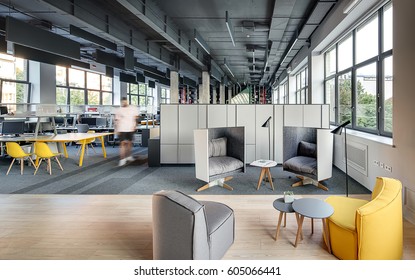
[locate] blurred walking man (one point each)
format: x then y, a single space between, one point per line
125 127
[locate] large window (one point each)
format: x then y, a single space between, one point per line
14 86
301 92
164 95
359 75
78 87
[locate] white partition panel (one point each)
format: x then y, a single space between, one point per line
245 116
170 125
202 116
188 121
325 116
264 135
324 154
278 133
186 154
231 111
168 153
217 116
293 115
250 153
201 154
312 115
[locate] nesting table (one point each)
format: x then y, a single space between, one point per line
305 207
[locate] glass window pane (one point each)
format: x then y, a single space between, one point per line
388 94
367 42
76 78
77 97
60 76
106 98
387 28
150 91
366 80
13 68
142 100
14 92
61 96
346 53
93 81
150 101
331 62
345 97
330 98
93 97
142 89
134 100
106 83
133 89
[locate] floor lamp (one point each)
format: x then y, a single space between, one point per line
338 130
267 125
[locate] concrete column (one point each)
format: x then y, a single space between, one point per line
204 94
229 94
174 87
222 94
43 79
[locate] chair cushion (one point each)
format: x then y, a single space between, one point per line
345 210
301 164
307 149
217 147
223 164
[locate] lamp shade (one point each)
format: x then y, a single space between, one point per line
267 122
338 130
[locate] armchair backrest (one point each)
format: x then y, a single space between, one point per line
179 227
379 223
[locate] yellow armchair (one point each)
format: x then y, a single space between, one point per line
368 230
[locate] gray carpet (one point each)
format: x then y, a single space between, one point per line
103 176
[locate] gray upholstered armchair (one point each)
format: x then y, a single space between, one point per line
187 229
219 153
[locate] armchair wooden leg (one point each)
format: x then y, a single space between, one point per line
226 186
219 182
50 166
309 181
204 187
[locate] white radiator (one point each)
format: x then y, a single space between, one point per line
357 156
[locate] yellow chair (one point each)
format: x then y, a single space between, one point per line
89 143
368 230
16 152
43 152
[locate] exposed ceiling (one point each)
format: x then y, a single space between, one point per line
161 33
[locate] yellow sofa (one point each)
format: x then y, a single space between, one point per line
368 230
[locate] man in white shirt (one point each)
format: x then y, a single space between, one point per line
125 127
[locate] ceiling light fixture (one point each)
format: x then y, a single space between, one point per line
229 27
352 4
227 67
201 42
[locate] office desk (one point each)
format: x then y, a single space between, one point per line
63 138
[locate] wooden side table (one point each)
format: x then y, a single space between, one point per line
265 166
284 208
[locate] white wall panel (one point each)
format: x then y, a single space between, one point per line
250 153
263 140
202 116
186 154
245 116
170 124
293 115
217 116
312 116
278 132
231 112
325 116
168 154
188 121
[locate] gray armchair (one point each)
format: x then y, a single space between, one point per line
187 229
219 153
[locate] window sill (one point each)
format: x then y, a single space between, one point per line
368 136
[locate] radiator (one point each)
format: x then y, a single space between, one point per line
357 156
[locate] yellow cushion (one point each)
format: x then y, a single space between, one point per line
345 210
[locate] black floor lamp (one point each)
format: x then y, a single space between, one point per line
267 125
338 130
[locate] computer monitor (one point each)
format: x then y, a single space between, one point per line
13 128
3 110
92 122
101 122
59 120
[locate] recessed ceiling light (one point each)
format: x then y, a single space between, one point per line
247 35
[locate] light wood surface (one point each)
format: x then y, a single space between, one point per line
120 227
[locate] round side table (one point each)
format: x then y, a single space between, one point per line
315 209
265 166
284 208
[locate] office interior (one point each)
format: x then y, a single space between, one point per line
192 67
